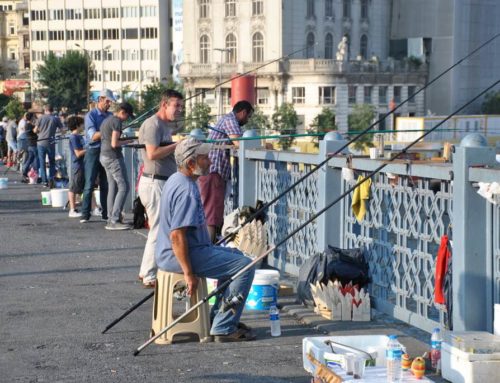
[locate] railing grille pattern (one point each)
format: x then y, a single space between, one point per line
401 232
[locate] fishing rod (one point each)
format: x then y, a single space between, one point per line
153 109
329 155
226 283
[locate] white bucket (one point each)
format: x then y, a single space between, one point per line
59 197
3 183
46 198
264 291
97 197
373 153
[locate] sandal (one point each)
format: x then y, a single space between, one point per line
243 326
239 335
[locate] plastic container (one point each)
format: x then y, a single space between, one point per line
59 197
274 318
264 291
97 197
211 286
46 198
393 353
436 341
4 183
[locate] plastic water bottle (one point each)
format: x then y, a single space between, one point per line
393 354
436 341
274 318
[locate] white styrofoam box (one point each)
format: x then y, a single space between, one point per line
372 344
468 357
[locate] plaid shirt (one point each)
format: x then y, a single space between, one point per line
220 158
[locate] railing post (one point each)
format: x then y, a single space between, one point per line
247 186
329 188
471 278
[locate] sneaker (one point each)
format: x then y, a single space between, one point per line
73 213
96 212
85 220
116 226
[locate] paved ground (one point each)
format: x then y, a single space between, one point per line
62 282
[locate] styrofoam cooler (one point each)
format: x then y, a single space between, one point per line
59 197
4 183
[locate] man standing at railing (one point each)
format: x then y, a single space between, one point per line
213 186
46 128
159 164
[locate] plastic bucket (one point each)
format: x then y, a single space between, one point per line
211 286
264 291
46 198
59 197
3 183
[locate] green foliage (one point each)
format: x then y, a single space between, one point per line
324 122
259 121
65 80
198 117
151 96
414 62
491 104
285 121
360 119
4 100
14 109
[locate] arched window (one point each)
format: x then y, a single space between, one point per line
310 8
204 49
347 9
231 45
310 45
328 46
363 46
204 9
257 47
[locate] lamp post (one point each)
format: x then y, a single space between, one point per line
221 50
88 71
104 50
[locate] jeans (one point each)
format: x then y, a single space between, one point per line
31 160
150 195
93 168
43 152
118 186
222 264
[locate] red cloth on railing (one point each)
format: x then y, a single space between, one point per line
443 256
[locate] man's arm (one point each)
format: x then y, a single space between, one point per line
181 252
155 152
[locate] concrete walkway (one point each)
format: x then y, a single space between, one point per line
62 282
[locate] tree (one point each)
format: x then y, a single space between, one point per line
285 121
151 96
324 122
66 80
360 118
259 121
198 117
14 109
491 104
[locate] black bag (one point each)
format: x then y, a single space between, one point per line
334 264
140 217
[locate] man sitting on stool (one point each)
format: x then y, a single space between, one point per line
184 246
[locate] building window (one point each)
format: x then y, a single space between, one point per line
92 13
56 35
148 11
38 35
363 46
310 8
204 49
397 94
327 95
329 46
262 96
92 34
12 29
130 33
329 8
382 95
231 45
367 95
204 9
148 54
257 7
230 8
257 47
110 13
351 94
310 45
346 9
38 15
12 54
56 14
149 33
364 9
411 91
111 34
298 95
130 12
73 14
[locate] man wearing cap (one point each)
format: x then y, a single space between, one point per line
159 164
92 166
184 244
46 128
111 159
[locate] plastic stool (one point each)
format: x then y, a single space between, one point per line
197 322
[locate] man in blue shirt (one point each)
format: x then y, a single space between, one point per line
92 166
184 245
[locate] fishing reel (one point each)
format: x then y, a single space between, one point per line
231 303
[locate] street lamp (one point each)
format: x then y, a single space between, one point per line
221 50
88 71
104 50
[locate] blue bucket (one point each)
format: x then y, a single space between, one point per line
264 291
